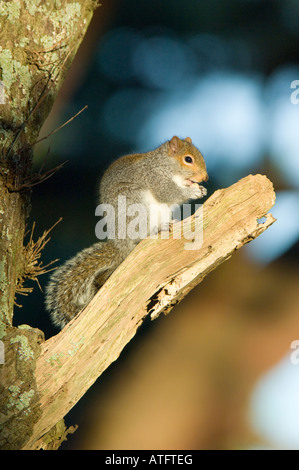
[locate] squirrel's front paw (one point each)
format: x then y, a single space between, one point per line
197 192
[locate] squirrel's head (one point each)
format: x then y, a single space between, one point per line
190 162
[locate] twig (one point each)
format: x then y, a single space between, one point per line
60 127
35 179
32 266
40 99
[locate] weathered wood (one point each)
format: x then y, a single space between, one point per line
154 277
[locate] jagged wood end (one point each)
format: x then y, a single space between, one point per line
155 276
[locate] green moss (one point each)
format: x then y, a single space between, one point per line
24 327
19 400
3 303
55 359
63 20
2 326
47 42
31 6
25 352
76 345
22 76
14 389
24 41
12 71
11 10
6 67
24 399
72 10
3 280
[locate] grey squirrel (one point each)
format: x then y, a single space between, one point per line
161 178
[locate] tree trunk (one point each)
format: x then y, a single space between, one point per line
38 41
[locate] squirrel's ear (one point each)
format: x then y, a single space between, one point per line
175 144
188 139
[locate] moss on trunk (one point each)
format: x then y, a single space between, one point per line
39 39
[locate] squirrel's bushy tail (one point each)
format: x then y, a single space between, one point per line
74 284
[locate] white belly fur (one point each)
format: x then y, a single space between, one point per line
160 214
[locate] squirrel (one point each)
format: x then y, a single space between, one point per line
162 178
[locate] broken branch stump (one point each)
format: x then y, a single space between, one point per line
151 280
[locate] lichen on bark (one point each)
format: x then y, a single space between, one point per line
39 39
19 399
38 42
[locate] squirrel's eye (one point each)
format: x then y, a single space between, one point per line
188 159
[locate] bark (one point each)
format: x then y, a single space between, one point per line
38 41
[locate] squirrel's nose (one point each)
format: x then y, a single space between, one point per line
199 177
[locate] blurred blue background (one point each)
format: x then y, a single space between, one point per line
224 74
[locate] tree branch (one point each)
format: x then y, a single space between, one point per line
154 277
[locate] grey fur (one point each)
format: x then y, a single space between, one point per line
141 178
